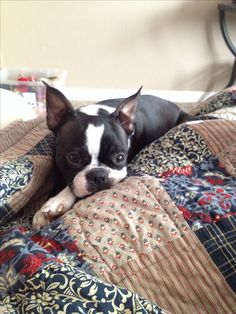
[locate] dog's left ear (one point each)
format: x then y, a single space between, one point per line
126 111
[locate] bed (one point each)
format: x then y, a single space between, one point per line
161 241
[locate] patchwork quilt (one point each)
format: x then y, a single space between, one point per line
161 241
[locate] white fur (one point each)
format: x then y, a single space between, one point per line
93 109
54 207
117 175
93 141
79 186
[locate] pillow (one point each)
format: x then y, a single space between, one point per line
223 100
14 107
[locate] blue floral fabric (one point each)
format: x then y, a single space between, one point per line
44 272
15 175
194 178
204 194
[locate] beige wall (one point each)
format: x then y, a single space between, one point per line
119 44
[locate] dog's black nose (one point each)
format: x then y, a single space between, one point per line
98 179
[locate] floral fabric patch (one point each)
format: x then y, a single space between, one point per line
119 225
44 271
15 175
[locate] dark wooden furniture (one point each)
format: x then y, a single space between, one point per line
229 8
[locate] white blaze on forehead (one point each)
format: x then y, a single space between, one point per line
93 141
93 109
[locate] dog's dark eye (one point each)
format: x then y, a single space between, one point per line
74 158
120 157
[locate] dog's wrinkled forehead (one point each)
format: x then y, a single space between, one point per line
80 130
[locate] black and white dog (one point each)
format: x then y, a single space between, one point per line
94 143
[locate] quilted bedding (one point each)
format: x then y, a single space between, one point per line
161 241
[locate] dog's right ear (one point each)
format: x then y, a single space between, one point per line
126 111
58 107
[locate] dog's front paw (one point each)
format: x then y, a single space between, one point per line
40 220
54 207
48 211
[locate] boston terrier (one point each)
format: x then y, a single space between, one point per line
94 143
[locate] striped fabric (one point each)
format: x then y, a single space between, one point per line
27 150
19 137
180 278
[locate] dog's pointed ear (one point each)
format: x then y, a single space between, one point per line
58 107
126 111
